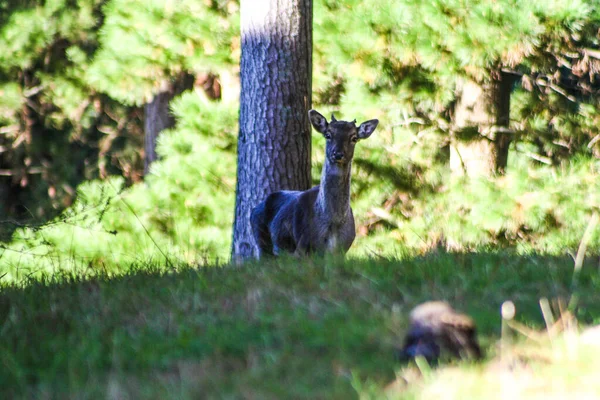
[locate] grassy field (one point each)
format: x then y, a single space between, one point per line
282 329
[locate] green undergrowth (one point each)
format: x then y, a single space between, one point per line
296 328
405 202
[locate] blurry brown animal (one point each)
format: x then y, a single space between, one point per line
437 330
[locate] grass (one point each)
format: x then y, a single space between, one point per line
564 367
281 329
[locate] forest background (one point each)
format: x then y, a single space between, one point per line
118 140
82 81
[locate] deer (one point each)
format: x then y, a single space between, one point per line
318 220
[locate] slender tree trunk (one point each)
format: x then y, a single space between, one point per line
481 136
158 117
274 138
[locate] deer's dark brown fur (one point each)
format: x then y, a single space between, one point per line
320 219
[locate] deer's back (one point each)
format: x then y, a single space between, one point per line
315 232
296 225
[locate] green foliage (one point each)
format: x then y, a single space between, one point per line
71 77
183 212
532 209
401 60
56 130
144 43
397 61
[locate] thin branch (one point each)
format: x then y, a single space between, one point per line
587 235
9 129
593 141
563 93
537 157
592 53
29 171
557 89
33 91
408 121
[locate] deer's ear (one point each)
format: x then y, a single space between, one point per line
366 128
318 121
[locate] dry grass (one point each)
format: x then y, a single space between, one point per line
559 362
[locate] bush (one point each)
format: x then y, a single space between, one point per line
183 212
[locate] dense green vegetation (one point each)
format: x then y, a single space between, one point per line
115 284
302 329
70 113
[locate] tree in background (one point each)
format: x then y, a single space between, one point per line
466 50
452 66
55 129
74 78
84 105
152 51
274 144
158 116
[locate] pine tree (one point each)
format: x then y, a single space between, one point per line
151 51
55 129
434 61
274 144
557 102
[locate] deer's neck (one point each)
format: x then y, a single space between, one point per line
334 192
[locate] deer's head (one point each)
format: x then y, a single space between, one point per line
341 136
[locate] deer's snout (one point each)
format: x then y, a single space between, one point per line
338 156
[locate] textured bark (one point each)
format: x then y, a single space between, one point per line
274 137
158 117
481 135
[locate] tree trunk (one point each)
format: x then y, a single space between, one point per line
158 117
274 138
480 134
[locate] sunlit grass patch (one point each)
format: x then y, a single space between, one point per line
565 367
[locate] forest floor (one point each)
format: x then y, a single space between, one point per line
292 329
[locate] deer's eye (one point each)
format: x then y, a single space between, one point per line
354 139
327 136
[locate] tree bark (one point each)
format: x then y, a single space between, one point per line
480 134
158 116
274 138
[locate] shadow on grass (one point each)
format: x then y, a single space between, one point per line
283 328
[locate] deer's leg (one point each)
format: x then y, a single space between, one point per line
282 237
304 246
260 230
